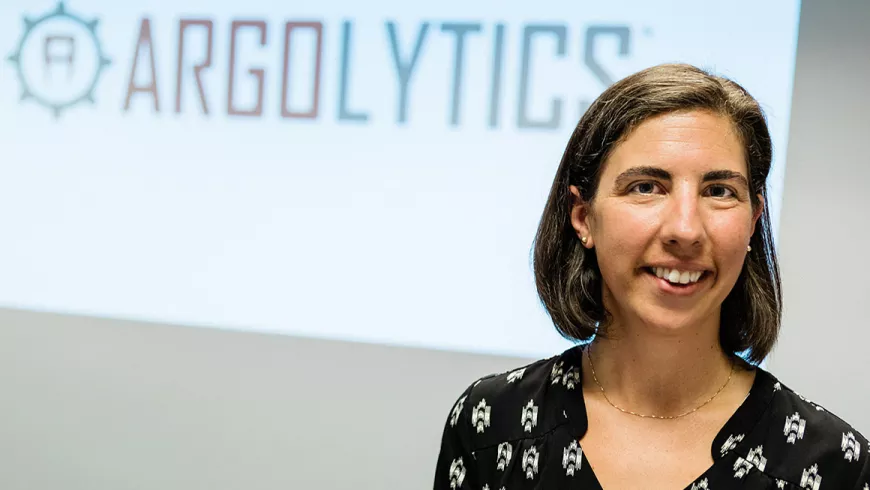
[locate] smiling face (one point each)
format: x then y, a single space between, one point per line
670 221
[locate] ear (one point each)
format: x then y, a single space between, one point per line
580 217
756 214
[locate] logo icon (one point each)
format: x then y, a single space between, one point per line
572 458
480 416
794 428
851 447
504 455
530 462
59 60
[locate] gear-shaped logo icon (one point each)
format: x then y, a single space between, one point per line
59 60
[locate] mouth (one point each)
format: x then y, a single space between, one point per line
677 281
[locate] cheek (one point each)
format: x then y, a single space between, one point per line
624 234
627 225
732 226
730 235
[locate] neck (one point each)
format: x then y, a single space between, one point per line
656 374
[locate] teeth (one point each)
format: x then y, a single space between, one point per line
684 277
676 276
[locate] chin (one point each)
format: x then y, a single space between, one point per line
666 320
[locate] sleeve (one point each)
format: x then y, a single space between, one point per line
864 475
456 468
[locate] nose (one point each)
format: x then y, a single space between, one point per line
682 226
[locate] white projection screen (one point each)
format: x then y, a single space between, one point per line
365 171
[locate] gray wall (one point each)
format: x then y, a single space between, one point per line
825 227
88 404
95 404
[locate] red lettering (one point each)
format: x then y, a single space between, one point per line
258 73
143 42
183 25
315 98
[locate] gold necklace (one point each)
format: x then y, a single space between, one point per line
592 365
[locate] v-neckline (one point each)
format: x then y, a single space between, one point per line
729 438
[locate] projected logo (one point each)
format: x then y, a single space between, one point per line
59 60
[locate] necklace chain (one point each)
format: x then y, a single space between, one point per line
667 417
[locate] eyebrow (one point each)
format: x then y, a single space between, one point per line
662 174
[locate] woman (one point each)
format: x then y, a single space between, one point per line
655 245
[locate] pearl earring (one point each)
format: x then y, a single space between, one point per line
749 248
583 240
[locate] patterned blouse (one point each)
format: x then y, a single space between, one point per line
521 430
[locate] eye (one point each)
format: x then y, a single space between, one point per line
644 188
721 192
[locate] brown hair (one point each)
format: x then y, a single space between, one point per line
567 275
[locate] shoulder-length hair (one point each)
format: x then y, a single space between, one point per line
566 273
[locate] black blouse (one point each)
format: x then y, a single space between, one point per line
521 430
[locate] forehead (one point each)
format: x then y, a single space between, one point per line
694 141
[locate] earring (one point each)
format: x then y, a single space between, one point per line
583 240
749 248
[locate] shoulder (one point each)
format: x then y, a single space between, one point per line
816 443
822 423
515 404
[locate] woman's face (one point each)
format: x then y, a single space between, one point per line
671 220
